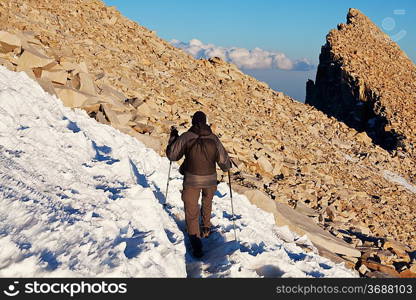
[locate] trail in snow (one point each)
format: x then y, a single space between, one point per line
79 198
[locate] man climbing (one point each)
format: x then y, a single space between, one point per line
202 150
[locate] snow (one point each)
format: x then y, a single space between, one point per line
397 179
81 199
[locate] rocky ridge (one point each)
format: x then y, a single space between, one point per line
124 75
367 81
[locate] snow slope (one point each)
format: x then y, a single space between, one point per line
79 198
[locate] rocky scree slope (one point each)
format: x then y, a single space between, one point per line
124 75
367 81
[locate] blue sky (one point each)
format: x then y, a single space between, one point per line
296 28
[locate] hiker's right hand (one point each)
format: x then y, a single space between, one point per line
173 132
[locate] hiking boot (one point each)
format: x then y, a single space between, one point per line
196 246
205 232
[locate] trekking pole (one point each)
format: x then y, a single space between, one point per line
167 184
232 205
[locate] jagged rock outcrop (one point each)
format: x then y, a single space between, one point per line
366 81
122 74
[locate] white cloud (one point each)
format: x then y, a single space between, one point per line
244 58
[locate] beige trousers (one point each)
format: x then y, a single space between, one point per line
190 197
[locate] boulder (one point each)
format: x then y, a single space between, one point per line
86 82
363 269
305 210
53 67
92 104
69 66
302 225
390 271
265 164
364 138
83 67
111 93
331 213
298 222
9 42
398 248
145 109
33 59
261 200
110 114
143 128
71 97
59 77
100 117
46 85
28 39
124 117
149 141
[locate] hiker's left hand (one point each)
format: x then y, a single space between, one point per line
173 132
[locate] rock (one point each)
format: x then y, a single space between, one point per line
111 93
30 73
407 274
100 117
363 269
7 64
143 128
363 138
124 117
87 83
365 80
261 200
303 225
69 66
149 141
331 213
83 67
135 102
265 164
391 272
9 42
305 210
145 109
399 249
324 163
385 256
112 21
47 86
59 77
166 125
354 260
71 97
92 105
32 59
28 39
377 274
53 67
110 114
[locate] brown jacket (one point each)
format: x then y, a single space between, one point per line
202 150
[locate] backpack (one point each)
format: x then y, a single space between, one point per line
203 144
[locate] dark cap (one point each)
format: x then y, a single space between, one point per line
199 118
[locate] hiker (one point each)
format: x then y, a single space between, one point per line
202 150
